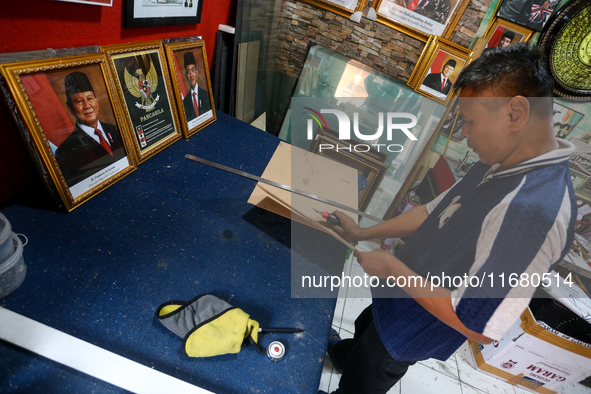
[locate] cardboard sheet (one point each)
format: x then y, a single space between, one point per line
312 173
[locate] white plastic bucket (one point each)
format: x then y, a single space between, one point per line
13 270
7 247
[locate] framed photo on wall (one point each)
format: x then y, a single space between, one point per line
191 84
584 189
421 18
344 8
580 159
532 14
153 13
565 120
437 69
504 33
144 88
107 3
73 116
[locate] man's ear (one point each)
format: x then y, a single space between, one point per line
519 112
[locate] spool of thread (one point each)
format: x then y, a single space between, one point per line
276 351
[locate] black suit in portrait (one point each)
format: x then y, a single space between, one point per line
204 105
437 10
80 156
433 81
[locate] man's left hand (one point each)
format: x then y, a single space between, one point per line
378 263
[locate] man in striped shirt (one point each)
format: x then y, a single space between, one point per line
512 214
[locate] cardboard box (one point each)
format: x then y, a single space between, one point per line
533 358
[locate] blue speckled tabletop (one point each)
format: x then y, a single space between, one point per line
171 230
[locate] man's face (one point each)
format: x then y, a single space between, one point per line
191 73
504 42
485 125
85 108
447 71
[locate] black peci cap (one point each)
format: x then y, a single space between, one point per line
76 82
189 58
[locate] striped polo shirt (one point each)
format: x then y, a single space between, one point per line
490 225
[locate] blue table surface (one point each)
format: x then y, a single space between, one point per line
171 230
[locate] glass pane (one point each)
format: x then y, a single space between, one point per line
373 104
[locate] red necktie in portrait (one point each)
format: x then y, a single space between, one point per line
103 141
443 84
195 104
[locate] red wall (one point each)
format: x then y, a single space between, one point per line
30 25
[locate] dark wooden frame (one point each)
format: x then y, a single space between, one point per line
131 22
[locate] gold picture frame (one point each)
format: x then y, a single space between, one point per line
501 30
431 76
72 124
421 18
189 60
340 7
145 91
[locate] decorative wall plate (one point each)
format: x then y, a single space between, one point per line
567 41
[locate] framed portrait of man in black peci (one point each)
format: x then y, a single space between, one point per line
73 117
191 84
437 69
502 34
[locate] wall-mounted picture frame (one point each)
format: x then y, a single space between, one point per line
580 159
532 14
565 119
502 33
565 39
191 83
584 189
154 13
144 88
106 3
73 116
344 8
437 69
421 18
370 171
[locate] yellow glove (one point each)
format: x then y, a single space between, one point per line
209 326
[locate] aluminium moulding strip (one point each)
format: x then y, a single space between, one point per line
88 358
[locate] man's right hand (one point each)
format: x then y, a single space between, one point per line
348 228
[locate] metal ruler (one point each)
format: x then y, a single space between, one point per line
284 187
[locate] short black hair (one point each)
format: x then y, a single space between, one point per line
517 70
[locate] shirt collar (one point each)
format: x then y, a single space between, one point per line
562 154
90 130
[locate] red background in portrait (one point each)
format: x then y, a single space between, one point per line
494 39
40 24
